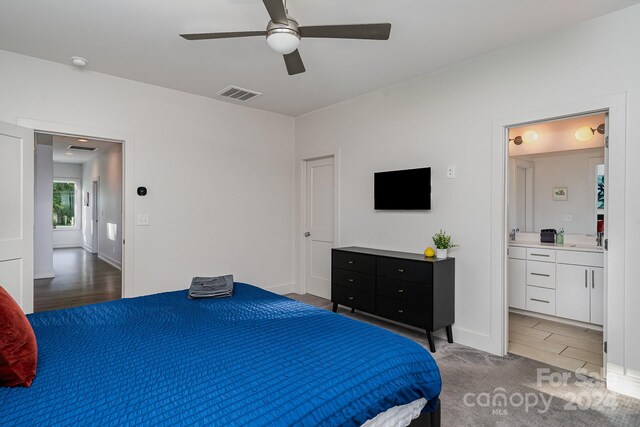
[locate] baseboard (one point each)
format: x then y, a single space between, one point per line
44 275
620 383
110 261
88 249
286 288
66 245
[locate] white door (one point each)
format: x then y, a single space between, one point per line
94 217
319 226
16 213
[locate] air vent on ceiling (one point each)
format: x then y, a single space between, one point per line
81 147
238 93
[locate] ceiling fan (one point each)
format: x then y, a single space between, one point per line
283 34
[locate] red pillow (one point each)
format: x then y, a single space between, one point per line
18 348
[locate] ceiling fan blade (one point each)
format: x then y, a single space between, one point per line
276 10
356 31
294 63
209 36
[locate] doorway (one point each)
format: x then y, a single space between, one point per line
78 237
556 284
319 224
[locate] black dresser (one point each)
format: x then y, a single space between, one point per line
404 287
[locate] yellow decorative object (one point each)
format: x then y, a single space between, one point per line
429 253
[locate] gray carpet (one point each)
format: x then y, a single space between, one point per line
473 382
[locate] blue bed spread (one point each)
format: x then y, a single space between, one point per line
256 358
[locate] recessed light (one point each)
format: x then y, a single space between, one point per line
68 153
82 140
79 61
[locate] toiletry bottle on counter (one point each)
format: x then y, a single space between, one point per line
560 237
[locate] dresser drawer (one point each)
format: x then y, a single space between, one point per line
538 254
541 300
402 311
353 280
517 252
541 274
591 259
361 300
415 271
354 262
403 290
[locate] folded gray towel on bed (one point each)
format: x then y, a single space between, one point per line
211 287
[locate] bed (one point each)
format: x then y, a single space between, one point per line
256 358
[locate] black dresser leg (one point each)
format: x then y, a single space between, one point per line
432 346
335 307
449 334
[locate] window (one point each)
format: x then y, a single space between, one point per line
64 204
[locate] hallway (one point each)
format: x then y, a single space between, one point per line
81 278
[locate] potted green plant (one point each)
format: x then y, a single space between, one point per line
442 240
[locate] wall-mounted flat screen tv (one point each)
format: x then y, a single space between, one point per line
408 189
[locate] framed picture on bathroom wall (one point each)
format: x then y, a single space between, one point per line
560 194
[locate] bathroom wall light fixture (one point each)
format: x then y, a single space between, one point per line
517 140
585 133
527 136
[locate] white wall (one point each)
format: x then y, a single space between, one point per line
106 168
69 237
575 171
219 175
445 118
43 208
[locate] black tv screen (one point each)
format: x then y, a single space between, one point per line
408 189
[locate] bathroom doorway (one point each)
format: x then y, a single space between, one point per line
556 219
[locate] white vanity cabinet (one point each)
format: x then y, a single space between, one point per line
557 281
579 287
517 276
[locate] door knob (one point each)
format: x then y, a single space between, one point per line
307 234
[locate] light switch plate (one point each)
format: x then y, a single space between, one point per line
567 218
143 219
451 172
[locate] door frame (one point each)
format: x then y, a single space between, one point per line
615 262
300 247
128 202
95 235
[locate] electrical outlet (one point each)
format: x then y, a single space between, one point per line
143 219
567 218
451 172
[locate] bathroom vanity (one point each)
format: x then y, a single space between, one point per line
559 280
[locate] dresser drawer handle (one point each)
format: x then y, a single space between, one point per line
400 270
350 262
539 300
350 280
351 298
400 311
544 255
401 290
539 274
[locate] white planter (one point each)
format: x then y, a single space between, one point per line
441 253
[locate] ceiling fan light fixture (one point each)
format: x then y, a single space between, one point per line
283 38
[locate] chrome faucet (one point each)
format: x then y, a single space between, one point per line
599 238
512 234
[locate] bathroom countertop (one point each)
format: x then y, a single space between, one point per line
565 247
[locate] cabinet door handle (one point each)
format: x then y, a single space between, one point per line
593 279
400 270
400 311
585 278
539 274
544 255
400 290
350 298
539 300
350 280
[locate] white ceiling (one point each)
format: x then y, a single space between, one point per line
139 40
60 150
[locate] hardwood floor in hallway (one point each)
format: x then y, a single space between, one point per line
81 278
